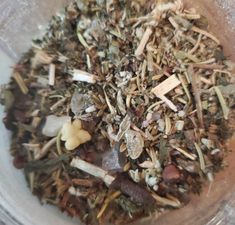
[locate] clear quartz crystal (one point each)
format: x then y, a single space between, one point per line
113 160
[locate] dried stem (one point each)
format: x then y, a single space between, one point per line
205 33
19 80
52 74
79 75
186 154
197 94
197 44
40 154
144 41
107 201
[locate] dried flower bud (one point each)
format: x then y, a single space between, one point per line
74 135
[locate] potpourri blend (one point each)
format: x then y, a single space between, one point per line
121 110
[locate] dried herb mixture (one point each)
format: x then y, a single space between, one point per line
121 109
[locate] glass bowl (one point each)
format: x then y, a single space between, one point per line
22 20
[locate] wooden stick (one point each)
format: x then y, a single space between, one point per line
166 86
205 33
169 103
93 170
188 155
143 41
79 75
52 74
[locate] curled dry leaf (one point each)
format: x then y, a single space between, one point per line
152 79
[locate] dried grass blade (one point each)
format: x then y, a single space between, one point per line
222 101
197 44
82 40
107 202
111 108
197 94
165 201
201 158
58 143
185 86
46 148
19 80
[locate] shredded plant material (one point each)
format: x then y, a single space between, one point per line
120 110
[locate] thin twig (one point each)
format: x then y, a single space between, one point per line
205 33
197 44
107 202
52 74
19 80
46 148
143 41
93 170
188 155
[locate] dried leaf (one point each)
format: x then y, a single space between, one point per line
134 144
124 127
